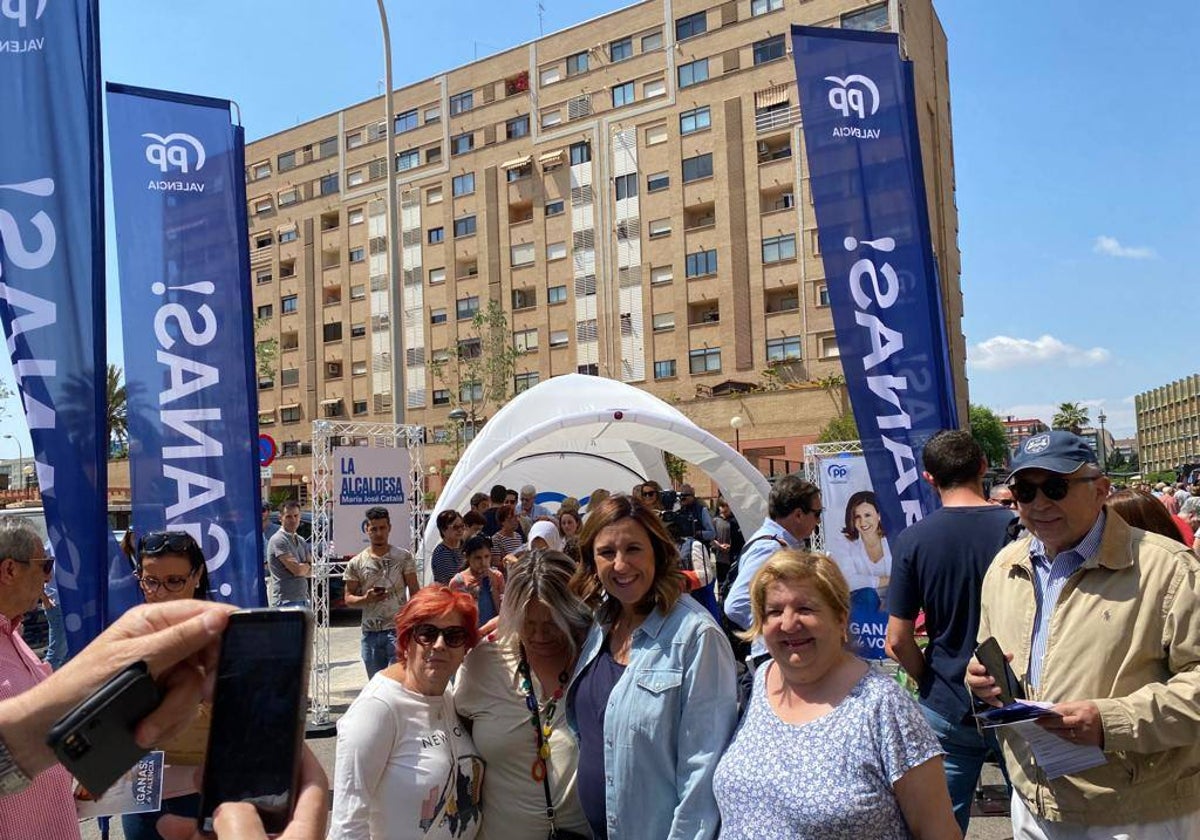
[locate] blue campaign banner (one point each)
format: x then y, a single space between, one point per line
864 161
52 282
182 247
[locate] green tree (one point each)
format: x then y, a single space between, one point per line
676 468
266 351
988 431
116 401
839 429
1071 417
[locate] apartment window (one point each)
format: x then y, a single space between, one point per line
441 396
471 392
693 73
525 341
408 160
554 208
262 276
622 94
588 370
286 161
406 121
289 304
289 197
358 330
654 89
663 322
822 295
581 153
653 41
768 49
559 338
659 227
783 349
433 154
438 315
517 127
691 26
358 292
332 331
462 102
264 205
705 360
327 148
524 381
873 19
433 114
551 117
761 7
702 263
664 369
620 50
353 140
463 184
355 216
263 240
462 143
265 311
465 308
437 275
289 377
464 226
661 274
355 179
695 120
556 251
556 294
516 173
695 168
265 383
288 235
626 186
550 75
657 181
577 64
360 407
779 248
358 368
433 195
827 347
521 254
656 134
329 184
290 414
436 235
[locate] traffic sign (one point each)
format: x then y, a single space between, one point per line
266 450
265 473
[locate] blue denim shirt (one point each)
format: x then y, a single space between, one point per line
667 722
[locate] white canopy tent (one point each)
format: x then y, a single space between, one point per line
572 434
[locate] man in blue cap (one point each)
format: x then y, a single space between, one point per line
1103 621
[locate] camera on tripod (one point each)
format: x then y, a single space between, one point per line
680 524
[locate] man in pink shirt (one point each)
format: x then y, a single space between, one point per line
46 809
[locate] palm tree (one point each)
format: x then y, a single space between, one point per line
1072 417
115 402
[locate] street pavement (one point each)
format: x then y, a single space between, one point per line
347 677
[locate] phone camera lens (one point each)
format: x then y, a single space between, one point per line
76 746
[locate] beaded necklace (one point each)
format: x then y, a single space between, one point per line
540 716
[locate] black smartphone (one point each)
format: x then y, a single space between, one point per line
991 657
95 739
259 707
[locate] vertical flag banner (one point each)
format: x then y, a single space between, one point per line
52 282
864 161
179 202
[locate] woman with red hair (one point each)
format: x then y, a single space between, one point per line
406 767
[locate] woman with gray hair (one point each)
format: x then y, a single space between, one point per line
510 694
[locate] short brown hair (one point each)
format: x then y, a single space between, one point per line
791 565
668 580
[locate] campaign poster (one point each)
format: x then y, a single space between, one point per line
367 477
854 535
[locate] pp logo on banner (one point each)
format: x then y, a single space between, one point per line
18 10
848 96
173 151
837 473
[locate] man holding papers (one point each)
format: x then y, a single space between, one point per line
1101 620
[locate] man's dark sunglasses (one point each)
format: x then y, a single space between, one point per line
1054 488
166 542
427 635
1007 502
649 494
47 564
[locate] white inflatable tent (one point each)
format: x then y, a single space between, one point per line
572 434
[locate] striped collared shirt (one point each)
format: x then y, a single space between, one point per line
1049 577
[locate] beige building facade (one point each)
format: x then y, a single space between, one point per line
1168 425
631 192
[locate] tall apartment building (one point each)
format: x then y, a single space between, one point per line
631 192
1168 425
1018 429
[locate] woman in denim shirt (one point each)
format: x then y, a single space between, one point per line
653 701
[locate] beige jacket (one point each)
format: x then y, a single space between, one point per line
1125 634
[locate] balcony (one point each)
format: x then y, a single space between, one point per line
773 199
785 299
773 119
776 148
699 216
704 313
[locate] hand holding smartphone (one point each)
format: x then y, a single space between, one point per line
991 656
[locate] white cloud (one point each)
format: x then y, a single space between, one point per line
1110 247
1001 352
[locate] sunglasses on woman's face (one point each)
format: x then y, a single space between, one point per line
1054 488
426 635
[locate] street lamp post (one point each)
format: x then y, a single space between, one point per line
1103 447
396 283
20 456
291 471
736 422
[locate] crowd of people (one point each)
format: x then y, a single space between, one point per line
571 674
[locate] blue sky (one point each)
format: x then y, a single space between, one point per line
1075 133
